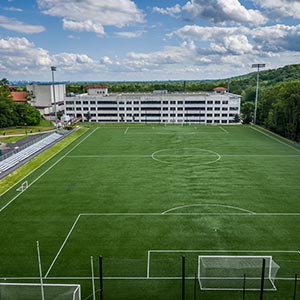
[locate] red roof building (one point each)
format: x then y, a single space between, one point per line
220 89
19 96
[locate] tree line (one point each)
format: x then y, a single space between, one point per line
14 113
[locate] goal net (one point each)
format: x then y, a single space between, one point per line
236 272
32 291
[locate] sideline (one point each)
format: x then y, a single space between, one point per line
54 164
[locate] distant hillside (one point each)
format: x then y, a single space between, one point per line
246 85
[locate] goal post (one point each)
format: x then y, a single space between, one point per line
32 291
229 272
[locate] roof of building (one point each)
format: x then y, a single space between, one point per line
220 89
19 96
95 86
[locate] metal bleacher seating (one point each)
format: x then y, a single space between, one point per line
24 154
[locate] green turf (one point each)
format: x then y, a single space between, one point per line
127 193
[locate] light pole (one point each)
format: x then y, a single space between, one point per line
53 69
258 66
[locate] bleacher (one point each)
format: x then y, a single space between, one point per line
24 154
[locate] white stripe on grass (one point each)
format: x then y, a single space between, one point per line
274 138
46 171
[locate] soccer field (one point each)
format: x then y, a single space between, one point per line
143 196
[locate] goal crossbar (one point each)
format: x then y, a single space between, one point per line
236 272
32 291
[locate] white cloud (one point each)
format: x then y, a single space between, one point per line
265 40
106 60
18 26
12 8
222 11
93 15
21 57
202 33
21 54
130 34
282 8
171 11
87 26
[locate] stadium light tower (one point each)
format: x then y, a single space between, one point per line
258 66
53 69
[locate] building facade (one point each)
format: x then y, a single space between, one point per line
217 107
43 98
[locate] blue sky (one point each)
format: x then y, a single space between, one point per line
116 40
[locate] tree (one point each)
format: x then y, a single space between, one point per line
236 118
281 109
247 112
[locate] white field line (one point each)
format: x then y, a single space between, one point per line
225 251
148 263
54 164
260 155
223 129
33 171
172 132
274 138
202 204
117 278
126 130
110 156
173 214
62 246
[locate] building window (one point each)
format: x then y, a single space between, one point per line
93 102
78 102
225 102
209 115
217 108
209 102
224 108
217 121
85 102
224 121
209 108
173 102
216 115
224 115
165 102
180 102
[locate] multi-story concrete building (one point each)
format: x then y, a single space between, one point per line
217 107
43 98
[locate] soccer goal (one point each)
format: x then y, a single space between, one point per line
23 186
32 291
236 272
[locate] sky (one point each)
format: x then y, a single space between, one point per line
140 40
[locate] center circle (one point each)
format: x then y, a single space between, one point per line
186 156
